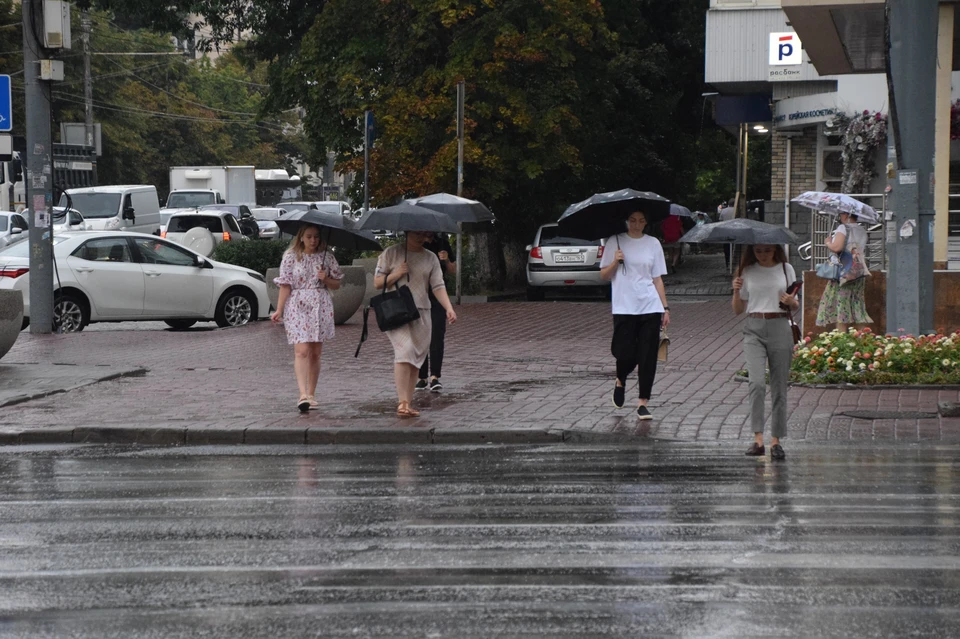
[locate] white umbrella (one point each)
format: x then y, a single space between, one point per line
835 203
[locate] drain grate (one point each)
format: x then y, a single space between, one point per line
888 414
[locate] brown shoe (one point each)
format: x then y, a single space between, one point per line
755 450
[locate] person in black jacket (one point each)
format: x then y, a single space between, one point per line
432 366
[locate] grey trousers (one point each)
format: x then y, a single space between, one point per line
768 340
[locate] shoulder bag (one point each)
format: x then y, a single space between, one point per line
392 308
833 267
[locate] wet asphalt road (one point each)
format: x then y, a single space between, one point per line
662 539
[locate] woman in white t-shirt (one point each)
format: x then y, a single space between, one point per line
760 289
639 306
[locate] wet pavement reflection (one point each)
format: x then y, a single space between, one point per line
662 538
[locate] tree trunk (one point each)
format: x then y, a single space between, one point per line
487 254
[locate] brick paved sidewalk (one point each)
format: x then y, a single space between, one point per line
543 368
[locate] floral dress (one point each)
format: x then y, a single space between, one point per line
308 314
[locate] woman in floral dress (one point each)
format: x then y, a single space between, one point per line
843 302
308 273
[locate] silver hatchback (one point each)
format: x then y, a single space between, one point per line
555 261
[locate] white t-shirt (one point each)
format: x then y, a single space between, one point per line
633 292
763 286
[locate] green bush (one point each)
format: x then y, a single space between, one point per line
256 255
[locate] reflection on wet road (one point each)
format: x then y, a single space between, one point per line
662 539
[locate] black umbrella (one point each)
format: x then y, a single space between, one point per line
459 208
740 231
336 230
407 217
604 214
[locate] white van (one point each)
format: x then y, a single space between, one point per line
117 208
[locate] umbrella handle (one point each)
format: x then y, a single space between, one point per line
618 247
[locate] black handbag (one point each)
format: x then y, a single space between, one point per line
394 308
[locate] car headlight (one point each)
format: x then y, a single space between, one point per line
112 223
257 276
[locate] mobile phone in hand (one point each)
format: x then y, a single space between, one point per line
793 288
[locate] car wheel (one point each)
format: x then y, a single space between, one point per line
235 308
179 325
70 314
535 294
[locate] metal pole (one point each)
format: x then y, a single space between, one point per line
461 98
912 28
39 173
87 81
366 161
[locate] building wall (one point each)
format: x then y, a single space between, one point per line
803 164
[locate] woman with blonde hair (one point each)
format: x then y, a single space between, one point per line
308 273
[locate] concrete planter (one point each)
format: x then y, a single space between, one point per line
11 319
346 300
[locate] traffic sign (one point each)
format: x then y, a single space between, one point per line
6 104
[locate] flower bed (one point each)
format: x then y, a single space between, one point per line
863 357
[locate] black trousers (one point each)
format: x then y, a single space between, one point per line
636 339
434 361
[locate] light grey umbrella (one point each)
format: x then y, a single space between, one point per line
336 230
680 210
740 231
459 208
407 217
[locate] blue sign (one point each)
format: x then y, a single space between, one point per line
6 104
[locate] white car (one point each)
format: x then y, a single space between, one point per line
265 217
114 276
203 231
13 228
69 220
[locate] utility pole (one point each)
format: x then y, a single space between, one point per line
39 172
461 98
366 160
912 26
87 82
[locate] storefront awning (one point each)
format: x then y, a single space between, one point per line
847 36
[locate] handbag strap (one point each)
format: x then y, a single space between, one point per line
363 333
397 284
787 277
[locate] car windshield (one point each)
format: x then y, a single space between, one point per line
3 223
265 214
551 236
330 207
295 207
183 223
226 208
189 199
94 205
22 249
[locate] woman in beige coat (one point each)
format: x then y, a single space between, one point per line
408 263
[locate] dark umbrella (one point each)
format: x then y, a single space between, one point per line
407 217
740 231
336 229
604 214
459 208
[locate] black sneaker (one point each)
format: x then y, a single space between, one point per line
643 413
435 385
776 452
618 393
421 384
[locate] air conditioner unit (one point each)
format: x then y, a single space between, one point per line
56 24
831 165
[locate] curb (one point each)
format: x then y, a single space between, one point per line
26 397
184 436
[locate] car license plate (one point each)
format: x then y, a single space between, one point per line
573 257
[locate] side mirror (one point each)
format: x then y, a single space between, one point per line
16 230
129 214
200 262
528 248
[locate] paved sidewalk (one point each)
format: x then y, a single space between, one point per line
514 372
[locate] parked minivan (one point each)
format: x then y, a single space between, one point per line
117 208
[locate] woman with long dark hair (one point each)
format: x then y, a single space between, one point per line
760 289
308 272
639 304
